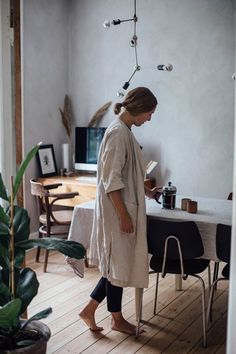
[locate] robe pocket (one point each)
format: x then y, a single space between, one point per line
133 212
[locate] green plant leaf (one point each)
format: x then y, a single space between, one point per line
42 314
68 248
3 192
27 287
19 257
21 223
4 277
4 235
4 230
3 216
4 254
5 295
9 315
22 168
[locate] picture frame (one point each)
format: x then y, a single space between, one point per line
46 161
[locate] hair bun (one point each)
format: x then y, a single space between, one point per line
117 107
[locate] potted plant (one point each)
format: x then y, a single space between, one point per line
18 283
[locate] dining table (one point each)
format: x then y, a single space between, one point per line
210 212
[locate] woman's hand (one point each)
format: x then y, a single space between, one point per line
126 224
150 193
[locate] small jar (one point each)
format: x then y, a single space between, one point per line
192 207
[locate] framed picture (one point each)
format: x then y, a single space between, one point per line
46 161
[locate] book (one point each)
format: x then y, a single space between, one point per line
150 166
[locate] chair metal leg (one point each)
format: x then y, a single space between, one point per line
215 273
204 314
209 278
156 291
203 310
210 301
139 305
211 293
86 261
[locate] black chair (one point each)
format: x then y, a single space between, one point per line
223 247
230 196
174 247
216 266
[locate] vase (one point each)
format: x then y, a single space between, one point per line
39 347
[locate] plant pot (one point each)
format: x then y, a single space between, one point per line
40 347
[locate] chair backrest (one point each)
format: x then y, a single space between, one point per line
41 193
187 232
223 242
38 189
230 196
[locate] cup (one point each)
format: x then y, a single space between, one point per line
184 202
192 206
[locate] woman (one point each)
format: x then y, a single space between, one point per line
118 241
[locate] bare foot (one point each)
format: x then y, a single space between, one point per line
88 317
124 326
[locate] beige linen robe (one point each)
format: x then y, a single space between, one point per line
122 258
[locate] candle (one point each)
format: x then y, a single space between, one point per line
66 157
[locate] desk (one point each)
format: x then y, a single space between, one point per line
85 185
210 213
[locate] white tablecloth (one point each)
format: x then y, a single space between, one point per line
210 213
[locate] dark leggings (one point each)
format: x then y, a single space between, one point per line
113 293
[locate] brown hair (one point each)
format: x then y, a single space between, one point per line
138 100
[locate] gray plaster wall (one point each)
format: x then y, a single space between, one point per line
191 133
45 32
66 50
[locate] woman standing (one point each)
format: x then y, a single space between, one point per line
118 241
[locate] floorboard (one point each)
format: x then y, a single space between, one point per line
176 329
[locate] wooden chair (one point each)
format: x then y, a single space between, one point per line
52 222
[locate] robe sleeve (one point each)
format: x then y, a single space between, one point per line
113 160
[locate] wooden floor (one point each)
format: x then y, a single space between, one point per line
177 328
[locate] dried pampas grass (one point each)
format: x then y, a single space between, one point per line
66 115
96 118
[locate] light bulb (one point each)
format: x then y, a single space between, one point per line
167 67
120 93
133 41
106 24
